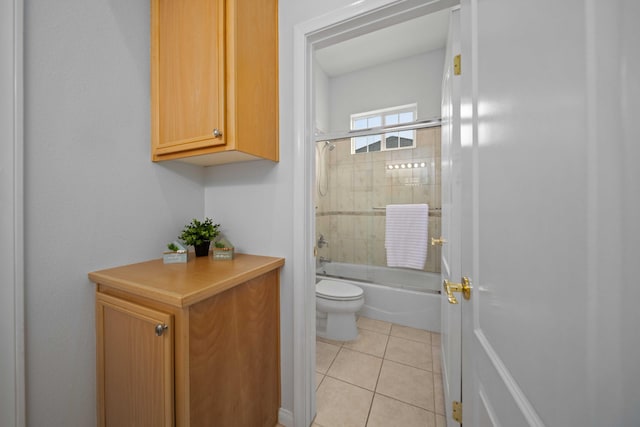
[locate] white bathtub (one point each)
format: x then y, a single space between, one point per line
390 294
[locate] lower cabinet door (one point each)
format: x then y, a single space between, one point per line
134 357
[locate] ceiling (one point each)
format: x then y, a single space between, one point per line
418 35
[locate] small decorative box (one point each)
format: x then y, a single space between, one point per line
222 249
175 257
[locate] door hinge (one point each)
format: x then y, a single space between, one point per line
456 65
457 411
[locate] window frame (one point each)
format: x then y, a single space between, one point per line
381 113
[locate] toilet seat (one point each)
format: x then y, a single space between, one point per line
338 291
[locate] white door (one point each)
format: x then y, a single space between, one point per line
450 178
549 93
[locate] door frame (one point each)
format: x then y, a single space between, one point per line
451 337
12 403
342 24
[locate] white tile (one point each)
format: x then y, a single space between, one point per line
325 353
411 333
368 342
435 339
328 341
438 392
386 412
356 368
436 359
408 352
407 384
374 325
342 404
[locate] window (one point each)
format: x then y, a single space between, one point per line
386 141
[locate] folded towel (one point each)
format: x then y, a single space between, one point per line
406 235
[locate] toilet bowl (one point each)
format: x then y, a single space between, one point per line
336 307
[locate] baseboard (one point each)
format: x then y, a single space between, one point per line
285 417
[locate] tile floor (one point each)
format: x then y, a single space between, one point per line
389 376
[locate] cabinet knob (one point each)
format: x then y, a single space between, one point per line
160 328
217 133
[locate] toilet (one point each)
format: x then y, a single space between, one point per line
336 307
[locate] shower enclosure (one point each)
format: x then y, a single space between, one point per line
354 186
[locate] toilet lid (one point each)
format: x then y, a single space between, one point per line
331 289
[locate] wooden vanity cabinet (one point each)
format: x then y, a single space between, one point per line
188 355
214 80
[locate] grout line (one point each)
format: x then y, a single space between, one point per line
364 352
350 383
407 403
414 340
371 330
373 397
333 360
347 382
375 389
408 366
321 381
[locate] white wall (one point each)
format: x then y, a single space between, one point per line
93 198
415 79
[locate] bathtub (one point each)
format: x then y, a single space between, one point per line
406 297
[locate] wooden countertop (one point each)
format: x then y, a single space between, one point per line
182 285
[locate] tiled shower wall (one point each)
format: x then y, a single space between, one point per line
347 215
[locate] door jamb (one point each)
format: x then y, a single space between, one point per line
12 192
355 19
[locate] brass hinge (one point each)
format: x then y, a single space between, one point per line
457 411
456 65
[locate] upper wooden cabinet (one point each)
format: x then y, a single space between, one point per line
214 80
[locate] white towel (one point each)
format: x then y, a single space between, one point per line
406 235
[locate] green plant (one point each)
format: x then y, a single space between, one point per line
172 247
220 245
196 232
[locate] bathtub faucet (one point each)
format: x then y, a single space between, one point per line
324 260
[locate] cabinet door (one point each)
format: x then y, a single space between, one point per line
134 364
187 75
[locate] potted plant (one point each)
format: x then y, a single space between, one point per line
175 253
199 235
223 249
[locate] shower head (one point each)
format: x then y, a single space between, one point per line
330 145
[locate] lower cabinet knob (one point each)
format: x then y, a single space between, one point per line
160 328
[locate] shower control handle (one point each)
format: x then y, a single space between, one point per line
450 288
322 242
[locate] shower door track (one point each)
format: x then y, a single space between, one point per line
418 124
